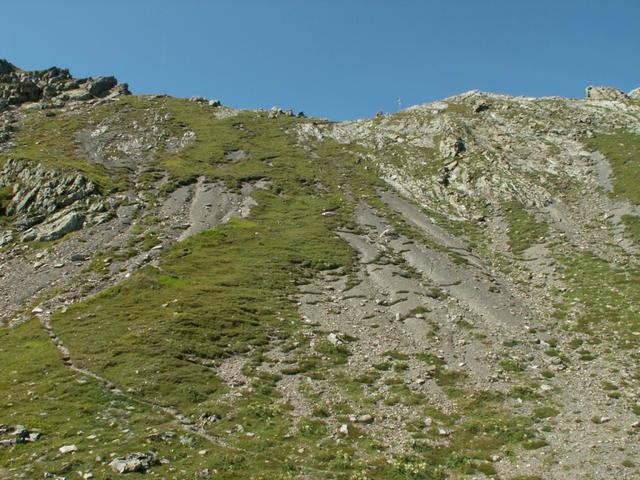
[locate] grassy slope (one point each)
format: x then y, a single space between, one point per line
51 140
39 392
622 149
231 287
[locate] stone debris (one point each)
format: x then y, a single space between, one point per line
134 462
68 449
15 434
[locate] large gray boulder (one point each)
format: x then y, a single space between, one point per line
58 226
100 86
134 462
605 93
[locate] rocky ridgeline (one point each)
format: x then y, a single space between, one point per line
465 155
53 87
47 204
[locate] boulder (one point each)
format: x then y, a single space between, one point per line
134 462
100 86
119 90
5 238
68 449
634 94
78 94
59 225
605 93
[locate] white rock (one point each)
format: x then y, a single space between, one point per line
68 449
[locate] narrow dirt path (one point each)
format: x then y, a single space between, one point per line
181 421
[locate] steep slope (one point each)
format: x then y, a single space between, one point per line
195 291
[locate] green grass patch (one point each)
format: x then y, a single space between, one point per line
524 230
622 149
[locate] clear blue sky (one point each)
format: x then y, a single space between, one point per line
333 58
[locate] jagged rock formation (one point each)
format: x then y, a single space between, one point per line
47 204
449 291
52 87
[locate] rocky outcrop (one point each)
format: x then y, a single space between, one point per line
55 227
38 191
53 87
6 67
47 204
605 93
634 94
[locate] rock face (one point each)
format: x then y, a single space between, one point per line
605 93
634 94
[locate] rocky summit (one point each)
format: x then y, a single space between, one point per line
195 291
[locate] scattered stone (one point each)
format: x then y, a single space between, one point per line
14 434
366 419
134 462
344 429
68 449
